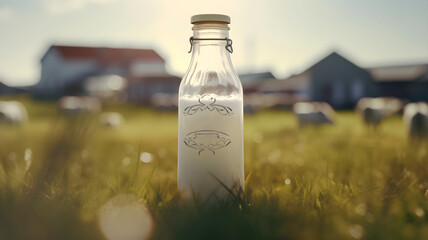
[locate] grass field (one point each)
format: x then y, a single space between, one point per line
335 182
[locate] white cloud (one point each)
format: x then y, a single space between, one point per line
63 6
6 14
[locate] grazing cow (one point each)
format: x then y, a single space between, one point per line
111 119
75 105
12 112
374 110
313 113
416 118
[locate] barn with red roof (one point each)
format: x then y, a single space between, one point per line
64 69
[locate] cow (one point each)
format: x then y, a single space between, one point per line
13 112
416 118
313 113
374 110
76 105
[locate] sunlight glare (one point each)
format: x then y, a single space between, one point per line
125 217
146 157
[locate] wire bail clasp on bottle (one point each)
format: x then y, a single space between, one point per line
228 43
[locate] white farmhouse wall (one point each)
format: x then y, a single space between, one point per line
70 70
142 68
114 70
58 72
50 67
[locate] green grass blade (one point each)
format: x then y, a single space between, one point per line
147 181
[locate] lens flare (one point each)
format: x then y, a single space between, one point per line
125 217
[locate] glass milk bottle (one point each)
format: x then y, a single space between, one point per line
210 115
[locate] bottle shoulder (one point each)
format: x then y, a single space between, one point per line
199 82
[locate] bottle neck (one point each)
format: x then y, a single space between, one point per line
209 51
210 30
210 69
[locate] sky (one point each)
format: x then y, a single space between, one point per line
282 36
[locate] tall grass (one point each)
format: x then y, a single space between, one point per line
335 182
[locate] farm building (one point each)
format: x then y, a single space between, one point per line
145 88
8 90
251 81
408 82
66 69
341 83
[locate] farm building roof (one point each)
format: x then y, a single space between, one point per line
293 83
251 79
106 55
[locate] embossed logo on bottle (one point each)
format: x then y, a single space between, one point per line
208 102
210 140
